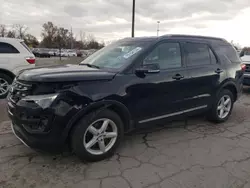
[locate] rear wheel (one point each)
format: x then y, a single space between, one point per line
5 82
222 107
97 135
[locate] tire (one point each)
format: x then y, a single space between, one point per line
81 132
7 79
214 112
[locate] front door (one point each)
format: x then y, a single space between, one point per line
160 95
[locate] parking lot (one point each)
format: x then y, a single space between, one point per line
57 61
189 153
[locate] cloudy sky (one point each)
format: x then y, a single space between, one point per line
111 19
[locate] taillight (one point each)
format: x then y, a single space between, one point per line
31 60
243 67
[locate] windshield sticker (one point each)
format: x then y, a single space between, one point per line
132 52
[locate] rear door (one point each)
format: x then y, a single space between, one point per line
204 74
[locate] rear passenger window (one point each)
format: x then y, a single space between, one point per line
6 48
229 52
198 54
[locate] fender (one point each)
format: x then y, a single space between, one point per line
228 82
231 83
100 105
9 73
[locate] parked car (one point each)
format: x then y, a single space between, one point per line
72 53
52 53
79 53
42 53
128 84
14 56
245 57
68 53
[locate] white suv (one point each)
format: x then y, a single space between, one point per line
14 57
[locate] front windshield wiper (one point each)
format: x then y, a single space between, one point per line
90 65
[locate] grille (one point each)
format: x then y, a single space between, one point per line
247 68
19 90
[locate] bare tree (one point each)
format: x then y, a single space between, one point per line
20 30
90 38
11 34
82 36
3 30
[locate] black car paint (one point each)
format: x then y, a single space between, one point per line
246 80
137 99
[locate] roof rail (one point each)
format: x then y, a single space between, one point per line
193 36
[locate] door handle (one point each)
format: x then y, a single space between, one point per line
177 77
218 71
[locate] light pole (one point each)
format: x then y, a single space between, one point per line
133 19
158 28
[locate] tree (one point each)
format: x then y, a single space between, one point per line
63 38
92 43
11 34
59 37
48 33
80 44
3 30
82 36
31 40
20 31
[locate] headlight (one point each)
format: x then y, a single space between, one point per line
44 101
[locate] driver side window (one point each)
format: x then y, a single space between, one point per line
166 55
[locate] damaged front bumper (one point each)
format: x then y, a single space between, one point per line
39 121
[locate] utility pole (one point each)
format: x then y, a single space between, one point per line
158 28
133 19
71 38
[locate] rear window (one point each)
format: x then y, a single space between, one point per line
6 48
229 52
25 46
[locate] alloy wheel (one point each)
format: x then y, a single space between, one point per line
4 86
100 136
224 106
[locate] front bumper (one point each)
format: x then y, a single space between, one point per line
12 128
50 139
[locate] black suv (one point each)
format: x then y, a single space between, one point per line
128 84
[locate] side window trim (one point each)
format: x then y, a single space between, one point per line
163 42
215 55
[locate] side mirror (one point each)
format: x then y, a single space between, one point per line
148 69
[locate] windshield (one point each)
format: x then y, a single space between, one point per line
116 55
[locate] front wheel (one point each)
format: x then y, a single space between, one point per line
97 135
222 107
5 82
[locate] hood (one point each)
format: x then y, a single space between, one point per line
245 58
65 73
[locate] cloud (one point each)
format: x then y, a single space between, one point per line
108 19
